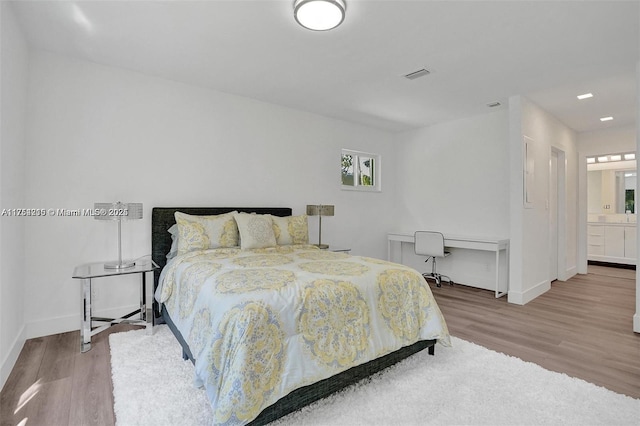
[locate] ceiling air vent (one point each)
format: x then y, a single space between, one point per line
494 104
417 74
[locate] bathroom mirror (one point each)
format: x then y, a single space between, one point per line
611 187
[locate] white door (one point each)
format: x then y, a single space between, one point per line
553 218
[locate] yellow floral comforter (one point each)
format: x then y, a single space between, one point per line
261 323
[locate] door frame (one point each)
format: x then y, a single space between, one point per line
561 219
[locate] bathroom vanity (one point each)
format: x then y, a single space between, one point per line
613 242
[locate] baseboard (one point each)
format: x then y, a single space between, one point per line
55 325
70 322
9 361
570 273
522 298
612 265
485 283
612 260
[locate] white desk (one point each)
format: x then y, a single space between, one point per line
464 242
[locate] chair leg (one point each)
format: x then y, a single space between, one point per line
447 279
431 274
436 276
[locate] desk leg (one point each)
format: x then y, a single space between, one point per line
390 251
146 303
498 293
85 326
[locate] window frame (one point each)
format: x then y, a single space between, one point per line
355 164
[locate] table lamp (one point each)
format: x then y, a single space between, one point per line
320 210
118 211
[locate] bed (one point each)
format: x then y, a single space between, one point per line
296 358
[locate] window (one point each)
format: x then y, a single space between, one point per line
360 171
629 200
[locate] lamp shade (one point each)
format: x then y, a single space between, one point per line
320 210
319 15
117 211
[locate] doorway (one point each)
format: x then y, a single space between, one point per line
553 218
556 206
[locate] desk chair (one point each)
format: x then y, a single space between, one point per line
431 244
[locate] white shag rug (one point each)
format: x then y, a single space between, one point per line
462 385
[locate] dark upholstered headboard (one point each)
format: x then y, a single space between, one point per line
162 218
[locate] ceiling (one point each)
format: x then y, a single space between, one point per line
478 52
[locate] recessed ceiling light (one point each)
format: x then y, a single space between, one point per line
591 160
585 96
631 156
606 119
616 157
603 159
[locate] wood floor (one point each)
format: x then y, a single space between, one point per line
53 384
582 327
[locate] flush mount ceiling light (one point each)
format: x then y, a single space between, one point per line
319 15
585 96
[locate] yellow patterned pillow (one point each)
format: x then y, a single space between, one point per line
291 229
256 231
205 232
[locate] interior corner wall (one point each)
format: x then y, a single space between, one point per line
13 88
529 255
636 317
102 134
453 178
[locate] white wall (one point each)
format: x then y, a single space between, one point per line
454 178
100 134
607 141
529 267
13 88
636 317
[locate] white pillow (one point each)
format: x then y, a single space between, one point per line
174 241
205 232
291 229
256 230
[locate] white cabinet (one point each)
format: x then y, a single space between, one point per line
630 241
595 240
615 243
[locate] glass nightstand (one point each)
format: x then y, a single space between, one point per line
97 270
341 249
338 249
